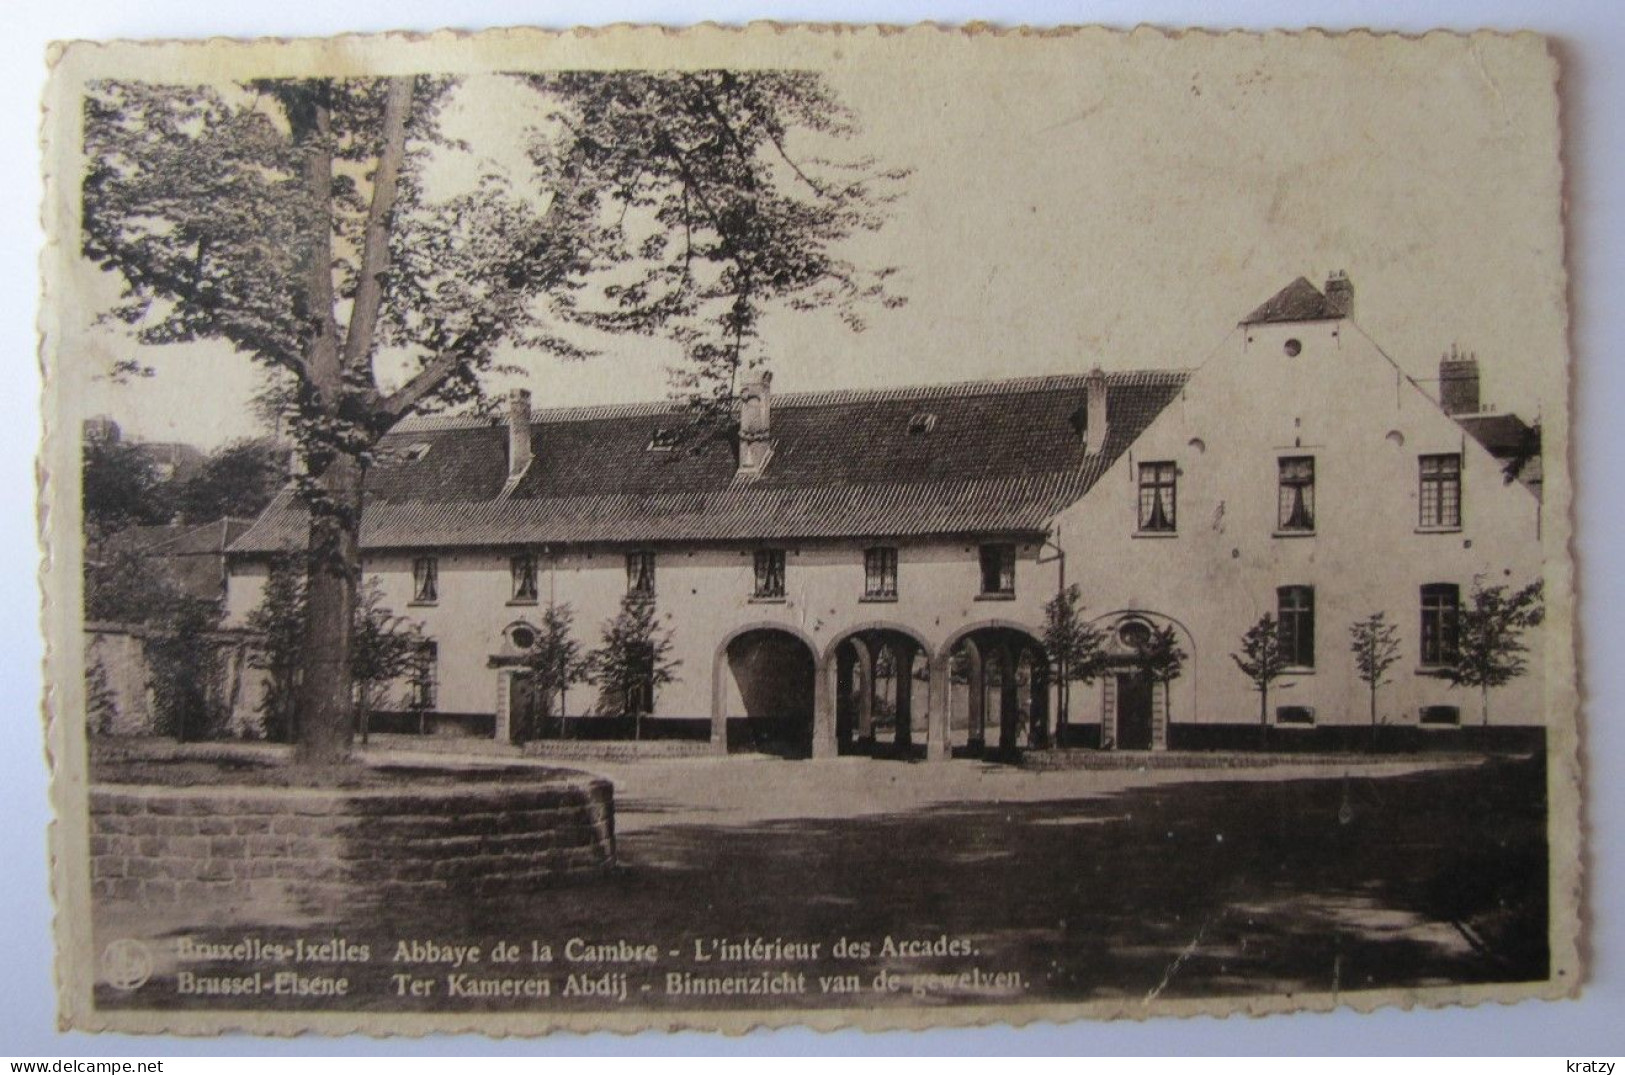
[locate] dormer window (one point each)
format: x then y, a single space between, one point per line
921 423
664 440
414 453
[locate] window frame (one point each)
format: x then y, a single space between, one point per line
516 568
425 580
879 569
1431 488
640 574
1003 570
1154 477
1440 624
1304 490
1302 619
768 575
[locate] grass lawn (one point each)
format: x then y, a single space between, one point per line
1175 887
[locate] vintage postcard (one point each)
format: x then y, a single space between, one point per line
838 526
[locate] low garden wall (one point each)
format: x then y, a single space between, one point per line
241 846
616 750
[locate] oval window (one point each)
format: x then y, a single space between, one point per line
1135 634
1293 348
522 637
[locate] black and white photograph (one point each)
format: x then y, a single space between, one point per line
806 527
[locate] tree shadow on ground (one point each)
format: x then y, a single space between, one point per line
1195 889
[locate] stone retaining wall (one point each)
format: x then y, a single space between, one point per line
238 846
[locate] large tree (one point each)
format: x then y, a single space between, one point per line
299 221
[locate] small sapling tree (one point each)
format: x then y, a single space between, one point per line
1489 646
634 661
384 648
1262 661
1375 643
555 663
1075 646
278 624
1164 661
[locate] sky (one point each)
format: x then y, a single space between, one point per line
1091 201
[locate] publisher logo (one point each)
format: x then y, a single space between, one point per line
126 964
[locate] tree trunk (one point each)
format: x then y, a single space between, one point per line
325 728
363 712
1484 704
1263 715
1373 716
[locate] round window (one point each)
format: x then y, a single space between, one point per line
1293 348
522 637
1135 634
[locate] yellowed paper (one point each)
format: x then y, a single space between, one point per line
827 526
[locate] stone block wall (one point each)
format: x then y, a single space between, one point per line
235 847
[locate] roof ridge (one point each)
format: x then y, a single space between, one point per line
810 398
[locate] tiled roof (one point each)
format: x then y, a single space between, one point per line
191 555
999 457
1503 434
1511 440
1298 301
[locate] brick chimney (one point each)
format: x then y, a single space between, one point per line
755 423
1339 295
1458 382
1094 411
518 433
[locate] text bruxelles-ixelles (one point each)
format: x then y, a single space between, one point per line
575 950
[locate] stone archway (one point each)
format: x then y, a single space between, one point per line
881 691
999 687
764 692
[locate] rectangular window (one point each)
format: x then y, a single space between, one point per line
769 573
425 580
1157 498
1440 715
1441 619
1440 491
1296 512
880 572
998 569
1297 630
640 573
425 676
1294 714
524 577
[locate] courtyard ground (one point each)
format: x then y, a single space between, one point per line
1118 884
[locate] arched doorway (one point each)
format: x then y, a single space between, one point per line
882 692
999 689
765 679
1149 679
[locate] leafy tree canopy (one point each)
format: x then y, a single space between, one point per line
297 221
